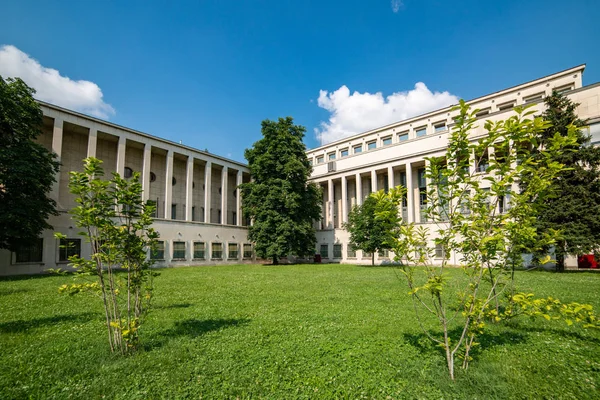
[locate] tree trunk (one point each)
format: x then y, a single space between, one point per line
373 258
275 260
560 256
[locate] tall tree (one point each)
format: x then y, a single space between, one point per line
27 169
574 208
374 225
279 200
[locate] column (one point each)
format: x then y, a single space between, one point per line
57 138
330 203
189 188
238 199
410 194
373 181
390 177
169 185
146 172
224 191
92 142
121 148
344 200
359 196
207 194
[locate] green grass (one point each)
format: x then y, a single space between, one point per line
312 331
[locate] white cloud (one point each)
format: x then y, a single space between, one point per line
396 4
359 112
51 86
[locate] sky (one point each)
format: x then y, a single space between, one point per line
206 73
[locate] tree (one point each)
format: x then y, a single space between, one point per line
374 225
27 169
279 200
117 224
574 208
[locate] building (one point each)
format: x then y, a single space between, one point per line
198 204
349 169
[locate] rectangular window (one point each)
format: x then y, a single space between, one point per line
218 216
216 251
421 131
324 251
384 253
173 211
320 159
440 252
464 202
351 251
233 218
310 162
331 156
506 106
344 153
403 136
68 248
233 251
179 250
159 251
563 89
194 213
337 251
372 145
482 113
30 253
504 201
248 250
386 141
482 162
421 178
199 251
357 149
440 127
366 255
534 98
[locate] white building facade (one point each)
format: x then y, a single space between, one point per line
348 170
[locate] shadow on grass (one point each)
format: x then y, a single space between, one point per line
34 323
192 328
564 332
7 292
172 306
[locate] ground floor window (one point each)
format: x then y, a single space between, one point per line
158 253
232 251
324 251
384 253
366 255
68 248
337 251
351 251
199 250
30 252
179 250
216 251
247 250
440 252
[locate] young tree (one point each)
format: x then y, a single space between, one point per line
374 225
279 200
574 207
27 169
117 224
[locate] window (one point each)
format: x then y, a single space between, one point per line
310 162
504 201
234 218
372 145
440 127
199 251
351 251
483 162
384 253
219 216
563 89
159 251
486 198
153 204
402 136
233 252
366 254
344 153
30 252
173 181
464 203
152 177
179 250
440 251
337 251
320 159
482 113
422 182
357 149
533 98
506 106
127 173
386 141
421 131
68 248
324 251
216 251
248 250
173 211
331 156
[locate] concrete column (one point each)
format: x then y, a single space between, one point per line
359 196
373 181
224 190
330 203
410 194
189 190
390 177
146 172
344 200
169 185
238 199
207 194
57 138
92 142
121 148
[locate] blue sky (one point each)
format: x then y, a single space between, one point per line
208 72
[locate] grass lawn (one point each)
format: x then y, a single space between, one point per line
306 331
